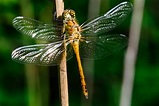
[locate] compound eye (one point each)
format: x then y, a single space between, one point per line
72 13
65 13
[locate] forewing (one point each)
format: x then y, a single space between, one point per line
98 47
108 21
37 29
41 54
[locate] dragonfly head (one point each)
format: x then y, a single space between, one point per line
68 14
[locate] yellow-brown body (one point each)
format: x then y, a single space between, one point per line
72 30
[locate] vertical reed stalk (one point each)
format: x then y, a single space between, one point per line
130 57
63 67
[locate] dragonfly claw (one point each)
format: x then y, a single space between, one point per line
59 19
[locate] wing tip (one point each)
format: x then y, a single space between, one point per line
127 3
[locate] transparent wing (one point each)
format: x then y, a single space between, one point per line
98 47
41 54
37 29
108 21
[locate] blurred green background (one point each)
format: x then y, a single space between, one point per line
32 85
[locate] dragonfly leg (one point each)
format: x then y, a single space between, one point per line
57 19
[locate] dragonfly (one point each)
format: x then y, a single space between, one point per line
90 40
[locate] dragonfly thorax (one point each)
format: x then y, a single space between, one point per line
72 30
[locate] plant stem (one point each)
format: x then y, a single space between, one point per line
130 57
63 69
